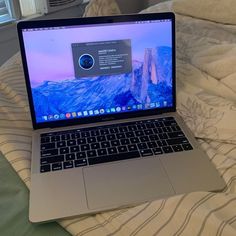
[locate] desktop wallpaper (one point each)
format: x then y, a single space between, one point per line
58 93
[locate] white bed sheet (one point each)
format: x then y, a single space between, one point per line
207 102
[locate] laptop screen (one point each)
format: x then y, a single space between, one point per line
89 70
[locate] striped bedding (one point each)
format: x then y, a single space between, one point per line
207 102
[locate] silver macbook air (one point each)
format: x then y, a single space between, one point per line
103 105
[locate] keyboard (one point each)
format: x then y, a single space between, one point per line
107 143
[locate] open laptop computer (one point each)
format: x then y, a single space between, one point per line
103 105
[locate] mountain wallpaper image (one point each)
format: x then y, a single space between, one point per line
150 81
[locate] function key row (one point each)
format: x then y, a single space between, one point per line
123 127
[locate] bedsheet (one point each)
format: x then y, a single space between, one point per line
206 100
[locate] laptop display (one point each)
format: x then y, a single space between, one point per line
99 69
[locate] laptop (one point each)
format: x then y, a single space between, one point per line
102 97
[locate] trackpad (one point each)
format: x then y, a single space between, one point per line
124 183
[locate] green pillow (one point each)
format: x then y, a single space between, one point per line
14 199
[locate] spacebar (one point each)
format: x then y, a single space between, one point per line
113 157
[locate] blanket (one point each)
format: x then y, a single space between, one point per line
214 10
205 100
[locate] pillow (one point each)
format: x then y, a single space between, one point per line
101 8
222 11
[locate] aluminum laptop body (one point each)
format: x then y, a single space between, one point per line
89 76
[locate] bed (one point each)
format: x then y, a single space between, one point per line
206 99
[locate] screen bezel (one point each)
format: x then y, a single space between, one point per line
91 21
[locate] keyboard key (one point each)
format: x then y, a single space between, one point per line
161 143
64 150
75 135
139 133
104 131
152 144
170 123
157 151
85 134
163 136
45 139
92 153
85 147
50 152
134 140
68 164
80 155
148 132
80 162
142 146
102 152
167 149
120 135
71 142
132 128
115 143
101 138
159 131
132 147
146 152
122 149
177 148
91 140
70 157
113 130
95 132
150 125
114 157
56 166
176 128
81 141
141 126
176 134
65 136
153 137
111 137
123 129
95 145
74 149
167 129
45 168
112 150
46 146
53 159
187 147
144 139
124 141
159 124
129 134
61 144
175 141
55 138
105 144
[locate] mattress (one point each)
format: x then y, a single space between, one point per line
206 99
